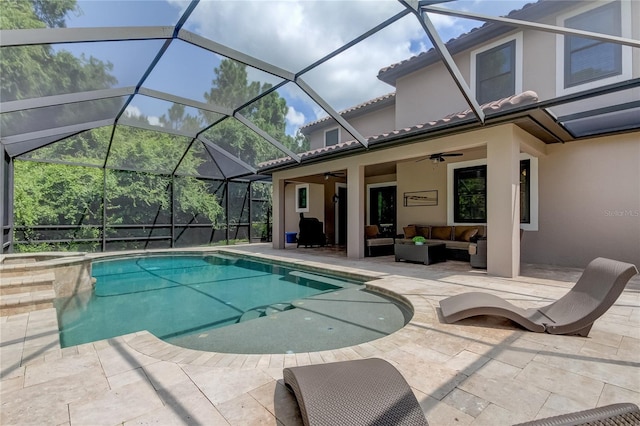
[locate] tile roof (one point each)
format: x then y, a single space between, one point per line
477 35
525 98
384 99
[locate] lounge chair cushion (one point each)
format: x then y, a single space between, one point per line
357 392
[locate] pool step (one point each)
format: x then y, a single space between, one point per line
252 314
19 260
277 308
26 293
19 303
265 311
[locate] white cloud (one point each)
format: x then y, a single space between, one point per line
134 111
293 35
295 118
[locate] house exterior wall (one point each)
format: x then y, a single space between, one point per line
423 175
589 203
589 193
430 93
372 124
588 190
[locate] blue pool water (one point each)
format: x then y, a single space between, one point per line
177 295
184 299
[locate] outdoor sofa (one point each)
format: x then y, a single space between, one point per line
456 238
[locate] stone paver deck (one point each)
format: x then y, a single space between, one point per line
483 371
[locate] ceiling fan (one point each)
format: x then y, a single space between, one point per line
334 174
439 157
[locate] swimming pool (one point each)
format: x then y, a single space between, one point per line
222 303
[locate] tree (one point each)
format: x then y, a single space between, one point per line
231 88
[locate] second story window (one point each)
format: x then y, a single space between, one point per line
495 73
331 137
586 60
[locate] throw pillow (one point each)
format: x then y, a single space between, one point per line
409 231
423 230
441 233
371 231
469 234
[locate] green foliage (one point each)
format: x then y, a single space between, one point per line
419 239
53 194
57 194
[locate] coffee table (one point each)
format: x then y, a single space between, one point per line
426 253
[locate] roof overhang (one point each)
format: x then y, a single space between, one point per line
579 121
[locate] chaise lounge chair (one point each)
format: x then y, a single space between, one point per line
623 414
597 289
357 392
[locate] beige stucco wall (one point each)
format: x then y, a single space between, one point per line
373 124
431 93
376 123
316 206
424 175
426 95
589 203
589 193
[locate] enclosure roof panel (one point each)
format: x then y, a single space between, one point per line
238 84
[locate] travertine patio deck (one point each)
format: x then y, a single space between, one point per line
477 372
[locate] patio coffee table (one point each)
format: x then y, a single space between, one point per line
427 253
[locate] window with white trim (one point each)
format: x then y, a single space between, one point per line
302 198
496 69
332 137
467 192
586 59
584 63
495 73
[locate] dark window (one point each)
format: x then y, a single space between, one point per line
470 194
496 73
525 191
302 197
331 137
470 189
382 208
587 60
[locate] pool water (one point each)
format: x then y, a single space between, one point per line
186 299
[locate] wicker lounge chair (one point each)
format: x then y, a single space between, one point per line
610 415
597 289
357 392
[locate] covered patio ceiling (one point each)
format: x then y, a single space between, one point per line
231 84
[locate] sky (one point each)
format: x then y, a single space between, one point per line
289 34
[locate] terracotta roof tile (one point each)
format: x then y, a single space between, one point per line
524 98
472 37
353 109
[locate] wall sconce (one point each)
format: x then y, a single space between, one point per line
335 198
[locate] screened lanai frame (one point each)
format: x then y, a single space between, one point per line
233 166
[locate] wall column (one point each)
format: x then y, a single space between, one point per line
277 233
503 206
355 211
